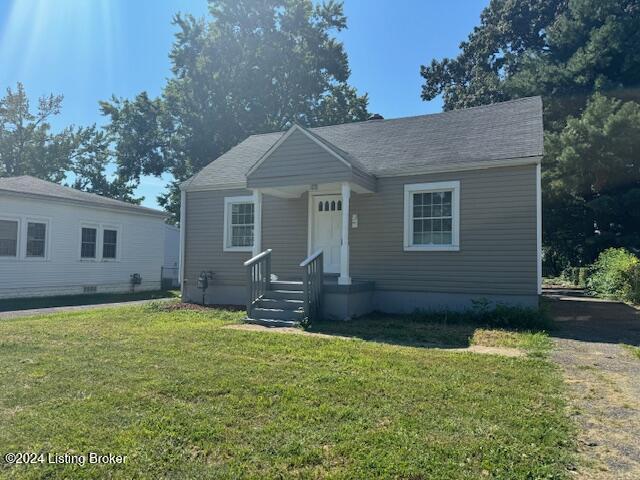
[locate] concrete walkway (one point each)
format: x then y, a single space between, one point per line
74 308
603 381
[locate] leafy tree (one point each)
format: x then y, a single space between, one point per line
252 67
29 147
572 52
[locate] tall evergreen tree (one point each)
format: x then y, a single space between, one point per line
571 52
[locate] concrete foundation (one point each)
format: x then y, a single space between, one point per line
343 302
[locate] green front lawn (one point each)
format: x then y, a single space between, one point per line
182 397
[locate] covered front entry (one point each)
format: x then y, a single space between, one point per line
300 162
326 229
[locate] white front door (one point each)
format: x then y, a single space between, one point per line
327 229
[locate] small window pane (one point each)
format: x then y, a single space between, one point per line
320 206
88 249
109 244
36 239
333 206
8 238
432 218
339 204
326 206
241 228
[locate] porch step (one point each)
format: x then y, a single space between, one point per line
284 295
278 314
283 304
286 285
270 322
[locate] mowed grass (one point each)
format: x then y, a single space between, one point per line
183 397
634 351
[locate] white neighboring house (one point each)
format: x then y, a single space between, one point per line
56 240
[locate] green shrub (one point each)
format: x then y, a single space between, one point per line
616 274
577 276
486 314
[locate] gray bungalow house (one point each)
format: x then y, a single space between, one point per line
427 212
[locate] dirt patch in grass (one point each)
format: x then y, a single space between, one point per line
604 399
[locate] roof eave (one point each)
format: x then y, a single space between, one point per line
118 208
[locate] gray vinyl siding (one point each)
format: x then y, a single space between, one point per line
301 161
204 239
284 229
497 236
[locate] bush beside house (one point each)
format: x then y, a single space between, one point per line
616 274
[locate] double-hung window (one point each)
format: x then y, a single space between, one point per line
36 239
239 224
89 242
9 238
109 243
432 216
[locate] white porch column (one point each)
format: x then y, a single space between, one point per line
257 222
344 278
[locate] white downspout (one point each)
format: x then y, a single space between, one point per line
183 236
539 225
344 278
257 229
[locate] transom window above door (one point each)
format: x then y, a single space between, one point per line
239 224
329 206
432 216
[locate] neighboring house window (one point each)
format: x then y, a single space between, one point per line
432 216
8 238
89 240
239 222
36 239
109 243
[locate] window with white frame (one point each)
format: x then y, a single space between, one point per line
109 243
36 239
9 238
239 223
432 216
88 242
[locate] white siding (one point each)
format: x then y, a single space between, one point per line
141 246
171 246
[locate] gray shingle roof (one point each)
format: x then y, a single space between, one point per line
32 186
389 147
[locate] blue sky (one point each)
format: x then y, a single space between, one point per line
89 50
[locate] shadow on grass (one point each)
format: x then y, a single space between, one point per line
12 304
400 330
439 329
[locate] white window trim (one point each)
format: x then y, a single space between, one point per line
47 238
21 250
18 255
100 228
88 225
226 239
118 242
409 190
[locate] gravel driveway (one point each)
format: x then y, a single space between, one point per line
603 381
